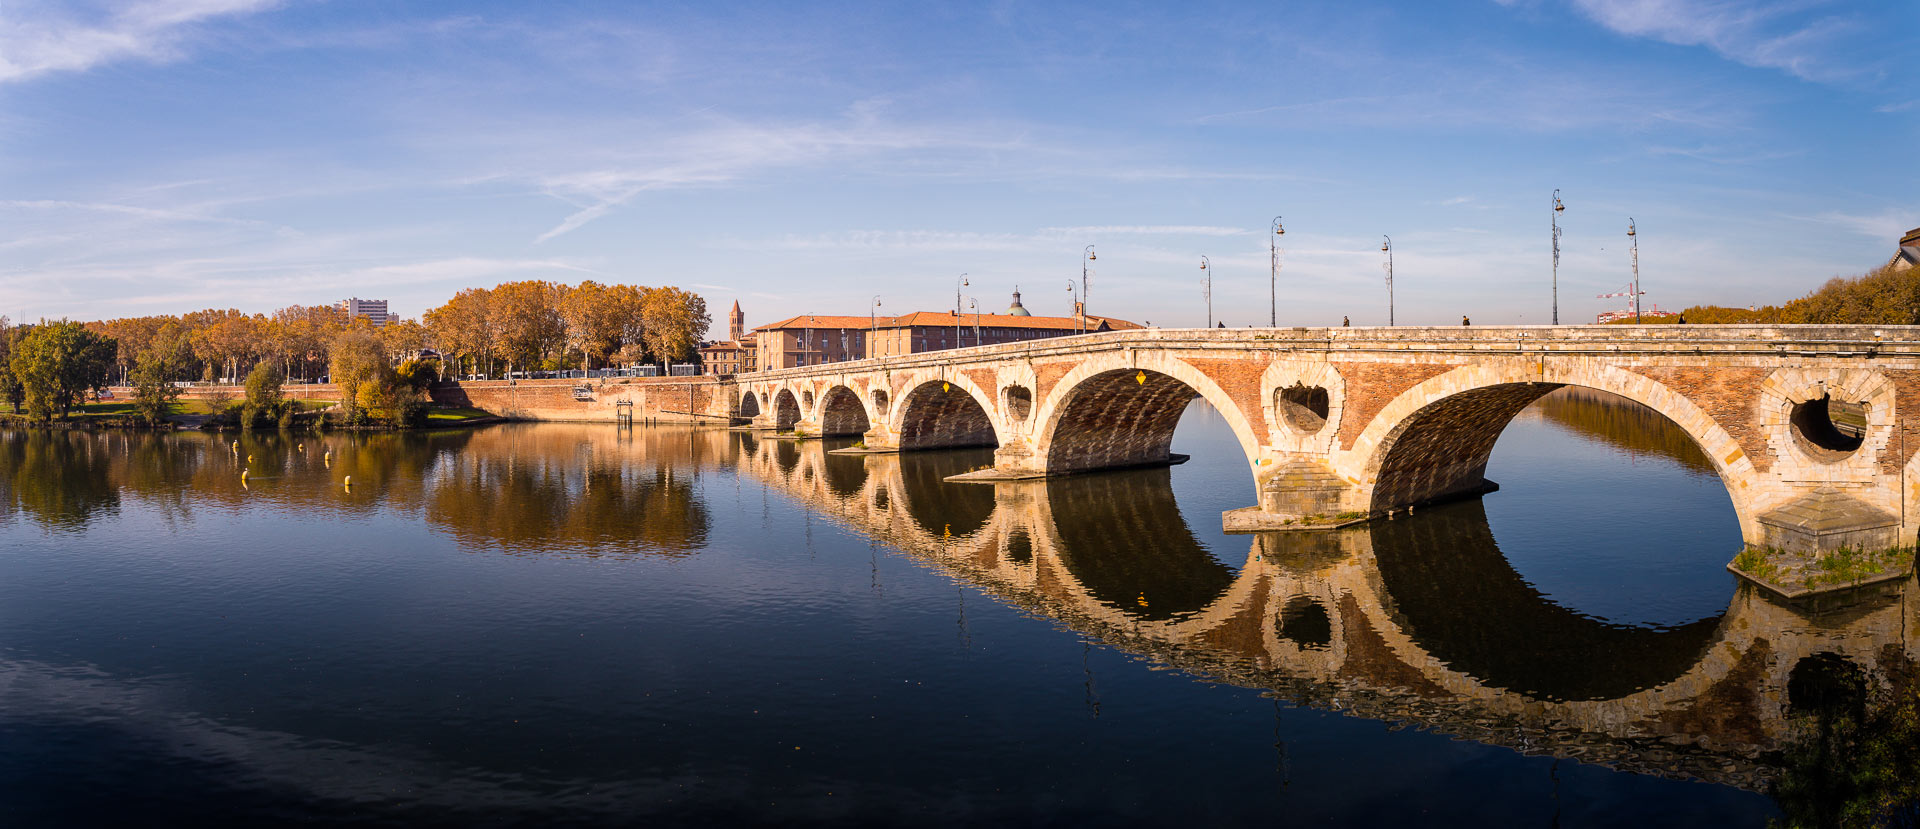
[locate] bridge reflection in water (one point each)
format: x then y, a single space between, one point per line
1417 620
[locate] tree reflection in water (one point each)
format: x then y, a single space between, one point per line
58 479
522 489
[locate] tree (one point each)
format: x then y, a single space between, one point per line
418 374
228 339
357 361
601 319
526 321
57 363
264 398
463 328
10 387
153 390
402 338
674 321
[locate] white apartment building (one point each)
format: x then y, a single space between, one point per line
375 310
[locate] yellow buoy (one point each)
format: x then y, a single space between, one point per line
348 483
243 476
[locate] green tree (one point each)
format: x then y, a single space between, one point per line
57 363
418 374
153 390
10 387
264 397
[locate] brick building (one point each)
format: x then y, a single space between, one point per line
734 355
810 340
1909 253
936 330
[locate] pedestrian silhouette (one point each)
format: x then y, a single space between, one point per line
1683 319
1344 323
1464 320
1221 325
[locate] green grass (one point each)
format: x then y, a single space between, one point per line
455 415
122 408
1758 562
1847 565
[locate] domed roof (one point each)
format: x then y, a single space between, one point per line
1016 309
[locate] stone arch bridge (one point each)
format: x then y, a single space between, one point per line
1806 425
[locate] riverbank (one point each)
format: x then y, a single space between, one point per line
197 414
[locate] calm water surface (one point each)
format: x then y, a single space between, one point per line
577 624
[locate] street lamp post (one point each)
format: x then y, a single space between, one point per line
956 309
1387 248
1208 282
1634 235
974 303
1074 291
873 324
1273 274
1080 299
1558 208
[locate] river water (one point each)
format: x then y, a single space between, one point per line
561 624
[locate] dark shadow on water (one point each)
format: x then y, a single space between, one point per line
1122 536
937 506
1461 600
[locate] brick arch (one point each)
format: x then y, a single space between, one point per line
749 405
1433 440
941 413
843 413
1101 401
786 410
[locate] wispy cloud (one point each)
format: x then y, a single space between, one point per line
126 210
38 38
1905 106
1721 155
1772 34
1886 224
1145 230
727 153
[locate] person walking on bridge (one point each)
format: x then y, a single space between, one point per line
1344 323
1464 320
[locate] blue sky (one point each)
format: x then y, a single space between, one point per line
165 156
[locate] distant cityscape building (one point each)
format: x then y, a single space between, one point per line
1654 315
375 310
812 339
937 330
734 355
1909 253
